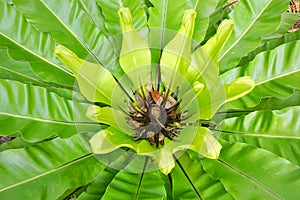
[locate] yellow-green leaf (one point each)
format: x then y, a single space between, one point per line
95 82
135 51
211 100
110 139
177 53
215 44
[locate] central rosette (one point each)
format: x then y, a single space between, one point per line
154 115
171 89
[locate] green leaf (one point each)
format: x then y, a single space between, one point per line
165 18
215 44
277 103
21 71
104 115
129 185
190 181
199 140
269 103
110 11
270 45
134 51
288 19
177 53
95 13
16 143
204 9
251 173
17 70
250 17
273 74
90 76
276 131
38 54
210 100
204 67
111 139
50 168
38 114
71 27
220 13
97 188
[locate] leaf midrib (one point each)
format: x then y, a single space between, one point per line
164 22
36 55
249 178
245 32
20 74
71 32
278 76
188 179
46 173
264 135
45 120
137 194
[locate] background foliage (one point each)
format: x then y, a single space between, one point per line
50 157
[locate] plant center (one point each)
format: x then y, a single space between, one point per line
154 115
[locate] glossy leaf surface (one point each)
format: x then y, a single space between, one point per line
47 114
248 180
276 76
250 17
276 131
62 159
36 54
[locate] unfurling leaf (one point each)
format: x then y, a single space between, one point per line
177 53
135 51
109 140
95 82
215 44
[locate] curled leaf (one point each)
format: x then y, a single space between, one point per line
211 100
102 115
95 82
177 53
215 44
135 51
239 88
110 139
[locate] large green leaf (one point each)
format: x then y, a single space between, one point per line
273 73
38 114
250 17
274 103
270 45
16 143
95 13
190 181
38 54
110 12
47 170
17 70
288 19
21 71
97 188
276 131
130 185
70 26
165 18
248 172
269 103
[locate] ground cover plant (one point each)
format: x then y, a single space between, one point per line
149 99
